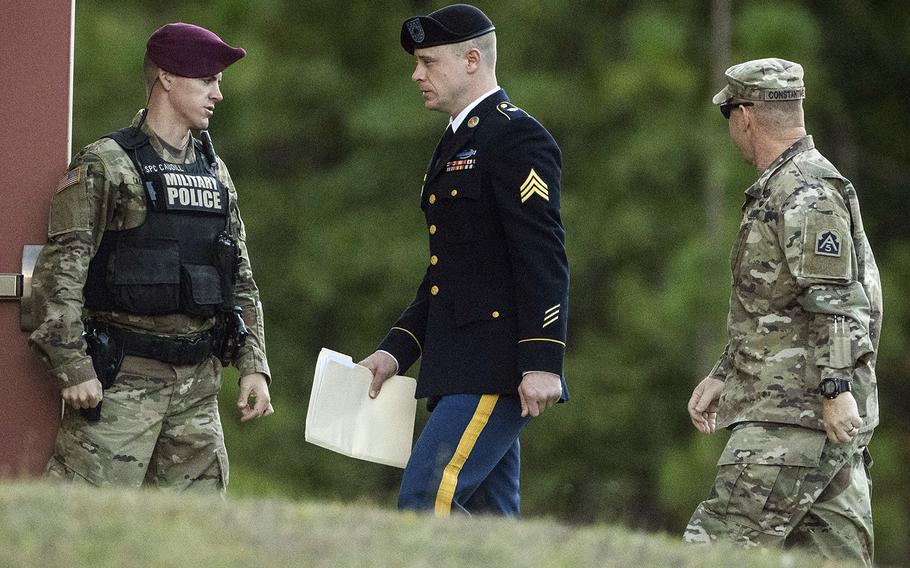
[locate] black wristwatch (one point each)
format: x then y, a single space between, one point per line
830 388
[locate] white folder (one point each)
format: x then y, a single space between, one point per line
343 418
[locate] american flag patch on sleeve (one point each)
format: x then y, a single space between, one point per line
71 178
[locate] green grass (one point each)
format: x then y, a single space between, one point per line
45 525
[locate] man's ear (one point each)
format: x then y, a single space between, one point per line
166 79
472 58
748 117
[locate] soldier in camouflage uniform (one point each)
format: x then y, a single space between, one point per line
159 422
796 382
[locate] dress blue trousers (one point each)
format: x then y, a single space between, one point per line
467 457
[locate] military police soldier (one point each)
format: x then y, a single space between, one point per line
804 323
489 318
146 269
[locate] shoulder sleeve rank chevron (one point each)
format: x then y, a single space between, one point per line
526 184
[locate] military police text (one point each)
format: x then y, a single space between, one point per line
196 191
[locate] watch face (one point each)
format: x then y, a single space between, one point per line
828 387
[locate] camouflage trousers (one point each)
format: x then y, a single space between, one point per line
786 486
159 426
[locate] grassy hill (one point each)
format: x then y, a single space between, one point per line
45 525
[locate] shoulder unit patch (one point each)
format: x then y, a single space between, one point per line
827 243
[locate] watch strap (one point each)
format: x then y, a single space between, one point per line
831 387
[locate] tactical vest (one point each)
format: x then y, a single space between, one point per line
166 265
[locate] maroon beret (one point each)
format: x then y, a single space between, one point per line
190 51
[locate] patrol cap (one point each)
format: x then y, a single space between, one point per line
452 24
190 51
768 79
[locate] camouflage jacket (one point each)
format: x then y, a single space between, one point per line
103 192
806 302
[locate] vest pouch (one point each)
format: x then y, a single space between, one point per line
143 276
200 289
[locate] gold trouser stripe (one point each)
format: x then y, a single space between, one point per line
412 337
446 493
542 339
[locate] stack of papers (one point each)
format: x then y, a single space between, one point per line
343 418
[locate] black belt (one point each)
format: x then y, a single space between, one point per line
176 350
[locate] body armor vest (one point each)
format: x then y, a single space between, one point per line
168 264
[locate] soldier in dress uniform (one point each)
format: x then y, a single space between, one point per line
489 318
146 286
796 382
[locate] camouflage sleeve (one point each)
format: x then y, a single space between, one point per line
252 357
80 211
818 243
722 368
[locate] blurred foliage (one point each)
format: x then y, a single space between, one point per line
326 139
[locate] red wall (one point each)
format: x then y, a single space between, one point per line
35 83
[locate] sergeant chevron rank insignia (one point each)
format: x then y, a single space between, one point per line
534 186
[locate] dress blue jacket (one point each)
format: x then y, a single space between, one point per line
494 301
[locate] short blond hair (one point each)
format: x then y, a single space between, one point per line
485 44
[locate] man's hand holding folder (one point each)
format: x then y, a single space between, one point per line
345 415
383 366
